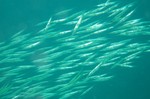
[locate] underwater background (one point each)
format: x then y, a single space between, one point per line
25 15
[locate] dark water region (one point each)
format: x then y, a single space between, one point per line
127 83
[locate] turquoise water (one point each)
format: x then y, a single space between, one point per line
107 61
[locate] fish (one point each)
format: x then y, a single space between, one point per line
72 52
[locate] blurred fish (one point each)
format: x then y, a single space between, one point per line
72 52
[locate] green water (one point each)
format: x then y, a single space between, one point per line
110 61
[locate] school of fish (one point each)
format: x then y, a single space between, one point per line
71 52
